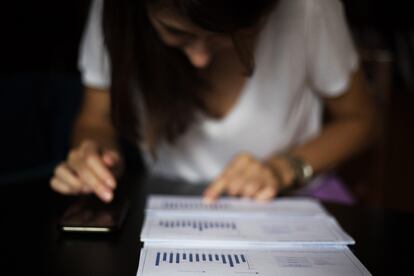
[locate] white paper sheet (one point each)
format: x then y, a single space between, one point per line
237 231
291 236
234 207
217 262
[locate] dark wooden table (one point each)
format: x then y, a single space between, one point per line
31 244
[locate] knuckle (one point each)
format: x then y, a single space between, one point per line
263 168
269 196
239 158
90 185
252 186
90 159
75 184
73 155
245 189
94 183
60 169
84 176
265 197
254 166
244 156
233 189
249 157
271 191
78 186
75 165
271 187
87 145
267 173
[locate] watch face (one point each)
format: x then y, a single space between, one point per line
303 171
307 172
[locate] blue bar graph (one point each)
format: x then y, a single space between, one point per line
199 225
195 205
157 260
176 258
230 260
243 258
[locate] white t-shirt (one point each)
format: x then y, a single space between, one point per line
304 52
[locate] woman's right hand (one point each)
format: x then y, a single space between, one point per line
88 169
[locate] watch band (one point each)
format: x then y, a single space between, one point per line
303 171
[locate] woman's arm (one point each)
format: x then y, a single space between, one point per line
93 122
353 125
94 158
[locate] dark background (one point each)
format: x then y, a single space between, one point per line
40 91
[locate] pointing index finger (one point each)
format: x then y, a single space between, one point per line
214 190
96 164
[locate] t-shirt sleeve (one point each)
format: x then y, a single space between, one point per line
93 60
331 54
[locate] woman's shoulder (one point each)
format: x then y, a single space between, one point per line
309 7
299 17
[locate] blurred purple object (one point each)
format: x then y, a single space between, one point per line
330 188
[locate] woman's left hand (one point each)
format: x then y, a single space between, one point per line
248 177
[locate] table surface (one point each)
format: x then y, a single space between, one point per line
31 242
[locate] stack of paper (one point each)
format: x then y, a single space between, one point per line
183 236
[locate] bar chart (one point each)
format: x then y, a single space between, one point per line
215 230
199 225
234 207
230 260
183 236
224 262
174 205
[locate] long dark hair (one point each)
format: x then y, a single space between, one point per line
153 86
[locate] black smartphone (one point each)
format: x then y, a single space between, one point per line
89 214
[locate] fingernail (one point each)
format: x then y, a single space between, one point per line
109 162
208 200
107 196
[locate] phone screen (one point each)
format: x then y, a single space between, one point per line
89 214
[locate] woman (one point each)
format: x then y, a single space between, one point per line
220 91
